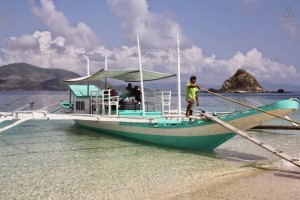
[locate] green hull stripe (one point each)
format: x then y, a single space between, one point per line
186 142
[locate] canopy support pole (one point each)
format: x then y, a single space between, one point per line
141 76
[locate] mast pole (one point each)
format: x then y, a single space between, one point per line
88 64
178 77
105 68
141 76
88 73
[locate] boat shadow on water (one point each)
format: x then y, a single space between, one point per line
291 173
237 156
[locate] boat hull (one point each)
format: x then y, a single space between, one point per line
202 134
200 142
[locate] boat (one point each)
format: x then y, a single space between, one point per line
159 124
152 120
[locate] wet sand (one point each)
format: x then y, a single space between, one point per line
257 183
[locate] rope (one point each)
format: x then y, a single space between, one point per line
254 101
50 105
56 110
24 106
215 98
243 104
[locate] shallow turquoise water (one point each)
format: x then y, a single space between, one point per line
59 160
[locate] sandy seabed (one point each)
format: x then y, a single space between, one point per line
257 183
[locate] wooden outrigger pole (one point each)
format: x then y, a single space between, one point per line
255 108
13 124
277 127
256 141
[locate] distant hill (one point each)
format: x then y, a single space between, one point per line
23 76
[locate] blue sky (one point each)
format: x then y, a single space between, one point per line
217 37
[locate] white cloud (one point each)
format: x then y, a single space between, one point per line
59 49
23 42
41 50
55 53
155 30
81 35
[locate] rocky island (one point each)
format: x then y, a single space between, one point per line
241 82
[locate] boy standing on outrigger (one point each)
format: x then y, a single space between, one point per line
191 95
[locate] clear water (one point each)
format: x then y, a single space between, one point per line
59 160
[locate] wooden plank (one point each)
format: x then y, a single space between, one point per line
43 115
287 117
279 127
256 141
12 125
2 119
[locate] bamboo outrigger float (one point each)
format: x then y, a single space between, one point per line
153 121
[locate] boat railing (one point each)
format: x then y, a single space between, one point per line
103 103
36 114
159 101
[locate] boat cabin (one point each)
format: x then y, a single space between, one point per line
79 101
90 99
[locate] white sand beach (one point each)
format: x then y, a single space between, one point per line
264 183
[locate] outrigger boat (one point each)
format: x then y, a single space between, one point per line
153 120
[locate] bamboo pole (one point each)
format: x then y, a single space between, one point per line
246 105
245 135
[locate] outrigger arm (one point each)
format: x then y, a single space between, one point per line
23 116
258 109
256 141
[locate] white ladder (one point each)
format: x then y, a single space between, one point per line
271 149
95 102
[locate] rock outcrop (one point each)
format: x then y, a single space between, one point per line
241 82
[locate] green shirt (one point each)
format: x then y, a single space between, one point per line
191 92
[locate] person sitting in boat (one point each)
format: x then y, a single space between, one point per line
129 89
127 92
191 95
137 93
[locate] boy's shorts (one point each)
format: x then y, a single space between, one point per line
194 101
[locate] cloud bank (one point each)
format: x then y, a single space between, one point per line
155 30
80 35
64 46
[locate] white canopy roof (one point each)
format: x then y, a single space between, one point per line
127 75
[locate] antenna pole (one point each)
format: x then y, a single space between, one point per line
141 75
